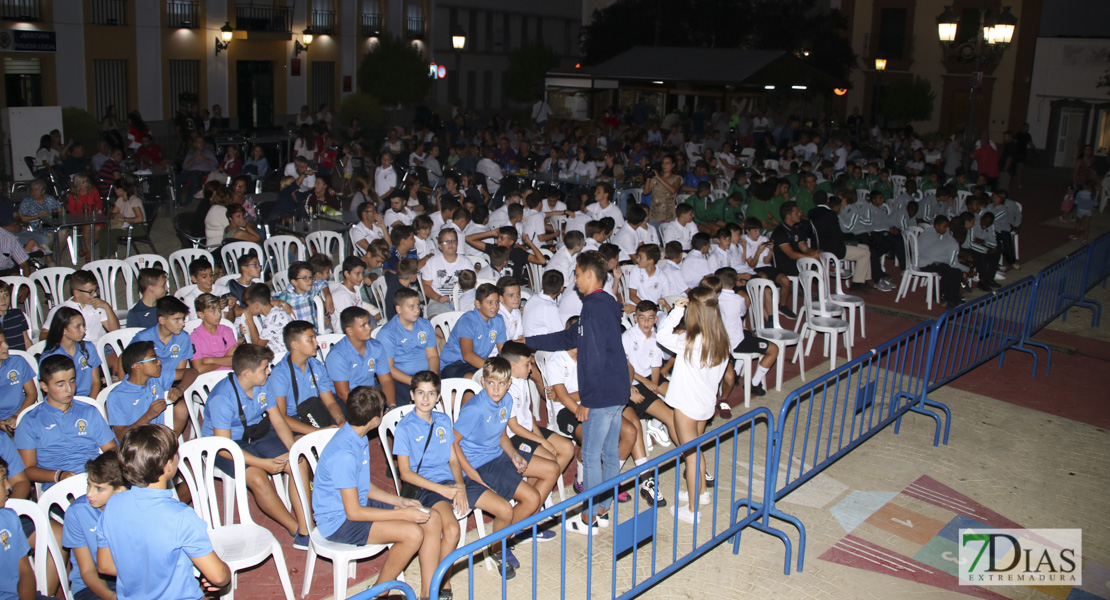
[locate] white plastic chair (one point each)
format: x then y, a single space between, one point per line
826 307
322 320
107 272
36 351
62 494
280 281
913 273
377 291
961 200
179 263
851 304
147 261
743 367
46 546
559 224
863 195
116 340
819 322
1013 232
452 392
102 397
322 242
326 341
31 308
897 184
309 448
445 322
230 253
277 252
241 545
52 281
775 334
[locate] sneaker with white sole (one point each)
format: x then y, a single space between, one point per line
709 480
999 276
577 525
658 432
686 515
651 494
705 499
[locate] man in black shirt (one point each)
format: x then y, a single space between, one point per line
825 221
1023 144
506 237
788 241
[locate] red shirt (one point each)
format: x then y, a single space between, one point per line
149 156
987 157
77 204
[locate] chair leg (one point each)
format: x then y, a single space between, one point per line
778 366
480 525
831 338
929 294
851 325
747 383
339 576
862 321
309 567
283 572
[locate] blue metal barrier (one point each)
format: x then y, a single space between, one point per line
1059 287
381 588
830 416
1098 262
640 533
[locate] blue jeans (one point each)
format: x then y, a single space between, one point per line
601 434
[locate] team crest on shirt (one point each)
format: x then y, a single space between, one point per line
493 336
502 415
5 539
441 433
84 362
82 426
174 350
262 399
370 365
13 377
422 337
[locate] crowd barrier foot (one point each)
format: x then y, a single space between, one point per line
765 527
918 408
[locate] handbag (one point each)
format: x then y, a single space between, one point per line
312 411
251 433
409 490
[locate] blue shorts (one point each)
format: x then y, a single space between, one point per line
461 369
356 532
401 391
500 475
268 446
1083 212
474 490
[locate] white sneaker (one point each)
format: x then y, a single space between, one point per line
658 432
705 499
686 515
577 525
999 277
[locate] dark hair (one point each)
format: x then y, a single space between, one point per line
351 263
248 357
351 314
514 351
650 252
425 377
699 241
399 234
574 239
199 266
515 210
149 277
294 330
364 404
258 292
727 275
245 259
786 208
485 291
508 231
593 228
320 263
422 222
133 353
682 209
647 306
595 262
235 209
296 268
506 282
62 318
673 250
607 188
636 215
552 282
106 469
81 277
55 363
403 294
168 306
144 452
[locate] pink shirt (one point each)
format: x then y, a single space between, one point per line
207 345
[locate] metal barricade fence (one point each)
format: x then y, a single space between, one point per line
643 545
387 586
1098 262
1058 288
822 421
973 333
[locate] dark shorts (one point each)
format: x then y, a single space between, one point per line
457 369
401 392
269 446
770 272
500 475
649 398
474 490
567 422
751 343
527 446
356 532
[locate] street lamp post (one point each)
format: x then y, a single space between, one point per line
996 32
458 42
880 66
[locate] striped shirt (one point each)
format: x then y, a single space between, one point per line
15 323
12 253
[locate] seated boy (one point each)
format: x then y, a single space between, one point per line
358 359
682 229
79 528
18 392
541 314
84 297
250 269
172 344
15 561
409 342
322 267
204 282
140 398
301 291
349 509
474 336
153 284
734 307
273 319
244 409
468 281
213 343
58 436
508 290
498 266
405 277
486 452
16 329
305 394
346 292
147 539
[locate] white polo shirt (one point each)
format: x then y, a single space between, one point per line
683 234
94 319
561 369
733 308
643 352
361 232
694 267
541 315
651 287
514 328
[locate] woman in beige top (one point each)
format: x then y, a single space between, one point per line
663 189
127 213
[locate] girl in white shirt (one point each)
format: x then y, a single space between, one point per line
701 357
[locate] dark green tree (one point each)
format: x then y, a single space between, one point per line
793 26
394 72
908 100
527 66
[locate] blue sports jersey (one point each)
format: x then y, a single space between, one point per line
221 411
63 440
481 422
11 456
344 464
408 347
16 372
127 402
85 360
179 348
409 440
79 530
13 548
484 334
313 380
357 368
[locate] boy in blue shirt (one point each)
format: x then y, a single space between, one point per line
17 577
172 344
243 409
17 479
304 392
153 285
486 452
140 398
410 343
350 510
474 335
17 390
357 359
59 436
79 529
145 538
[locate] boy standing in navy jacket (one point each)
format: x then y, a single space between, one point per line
600 354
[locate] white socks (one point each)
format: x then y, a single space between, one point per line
760 373
581 471
640 461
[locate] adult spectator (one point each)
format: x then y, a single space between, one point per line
197 165
825 221
788 242
491 170
986 155
303 175
35 207
149 154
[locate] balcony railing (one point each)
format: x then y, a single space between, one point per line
371 25
414 27
181 15
263 18
109 12
21 10
323 22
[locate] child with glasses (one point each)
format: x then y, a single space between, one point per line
100 317
140 399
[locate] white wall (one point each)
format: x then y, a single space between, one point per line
69 70
1065 68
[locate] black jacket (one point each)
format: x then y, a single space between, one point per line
826 226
